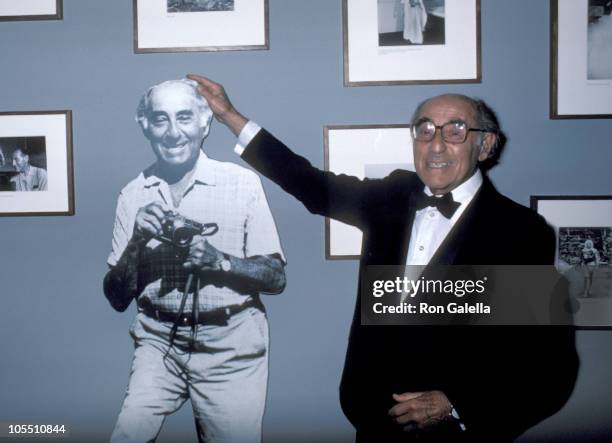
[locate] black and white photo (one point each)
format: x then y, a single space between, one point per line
36 174
411 22
583 256
200 5
23 164
599 46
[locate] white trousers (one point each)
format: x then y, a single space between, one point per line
225 377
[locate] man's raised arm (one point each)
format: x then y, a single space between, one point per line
341 197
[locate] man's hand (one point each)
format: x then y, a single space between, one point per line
420 410
219 103
149 220
202 256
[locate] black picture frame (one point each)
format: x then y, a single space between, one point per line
203 47
349 81
56 128
575 218
58 15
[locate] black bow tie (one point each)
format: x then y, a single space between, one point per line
445 204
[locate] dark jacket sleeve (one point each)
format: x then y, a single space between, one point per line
338 196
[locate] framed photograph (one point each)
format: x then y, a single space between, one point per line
581 59
402 42
31 10
372 151
36 176
200 25
583 225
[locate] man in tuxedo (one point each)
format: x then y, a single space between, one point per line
431 383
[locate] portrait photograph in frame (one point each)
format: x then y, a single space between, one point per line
583 228
200 25
18 10
36 172
403 42
581 59
363 151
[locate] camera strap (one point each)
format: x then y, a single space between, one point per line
195 313
182 308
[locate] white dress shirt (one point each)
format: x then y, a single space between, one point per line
430 228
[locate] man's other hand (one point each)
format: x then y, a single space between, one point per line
219 103
203 256
149 220
420 410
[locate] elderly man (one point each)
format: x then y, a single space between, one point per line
30 178
201 331
431 383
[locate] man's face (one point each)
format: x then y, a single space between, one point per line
443 166
20 161
174 125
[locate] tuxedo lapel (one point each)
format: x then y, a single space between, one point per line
464 233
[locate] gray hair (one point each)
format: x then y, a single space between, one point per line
486 119
145 102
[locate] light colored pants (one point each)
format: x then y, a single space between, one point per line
225 377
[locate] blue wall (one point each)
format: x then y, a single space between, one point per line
66 354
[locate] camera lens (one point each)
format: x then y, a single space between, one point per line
182 236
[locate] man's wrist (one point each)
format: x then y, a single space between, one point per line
235 121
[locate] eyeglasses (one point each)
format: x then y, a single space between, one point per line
455 131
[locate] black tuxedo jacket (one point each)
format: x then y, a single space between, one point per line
501 380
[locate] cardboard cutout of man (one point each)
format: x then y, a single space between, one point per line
201 331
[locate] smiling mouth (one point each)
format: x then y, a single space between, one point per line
175 148
438 165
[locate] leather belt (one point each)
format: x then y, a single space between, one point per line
216 316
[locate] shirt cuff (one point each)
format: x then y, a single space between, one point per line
455 415
248 133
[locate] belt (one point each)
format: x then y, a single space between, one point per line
216 316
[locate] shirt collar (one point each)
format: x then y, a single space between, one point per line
466 190
203 174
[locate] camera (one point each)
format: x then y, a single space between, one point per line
179 230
